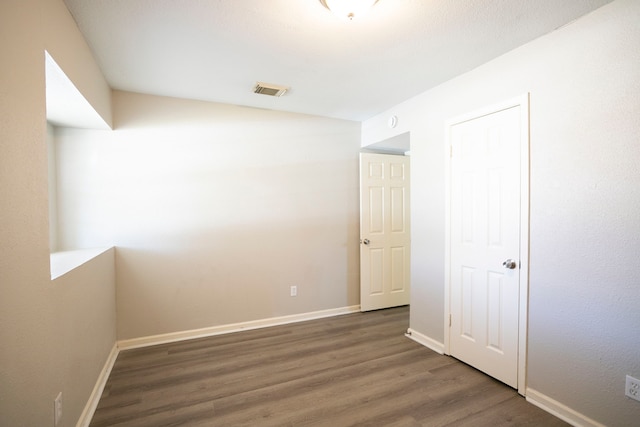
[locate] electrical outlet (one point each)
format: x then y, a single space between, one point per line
57 410
632 388
294 291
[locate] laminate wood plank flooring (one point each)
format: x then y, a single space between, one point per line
351 370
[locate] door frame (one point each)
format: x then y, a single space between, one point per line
523 301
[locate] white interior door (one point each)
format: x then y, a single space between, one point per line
485 242
384 231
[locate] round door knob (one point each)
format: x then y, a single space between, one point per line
366 242
510 264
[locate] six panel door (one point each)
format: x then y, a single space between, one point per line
385 249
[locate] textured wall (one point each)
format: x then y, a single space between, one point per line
585 225
215 210
56 335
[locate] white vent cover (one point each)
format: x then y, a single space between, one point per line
270 89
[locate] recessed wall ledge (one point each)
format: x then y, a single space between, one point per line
64 262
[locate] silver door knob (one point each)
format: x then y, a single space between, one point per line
510 264
365 241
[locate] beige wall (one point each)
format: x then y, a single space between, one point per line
584 83
219 209
56 335
216 210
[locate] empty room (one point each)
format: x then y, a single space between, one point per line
319 212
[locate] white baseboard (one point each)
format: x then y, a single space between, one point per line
233 327
560 410
94 398
424 340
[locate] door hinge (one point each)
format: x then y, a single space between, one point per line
451 151
449 320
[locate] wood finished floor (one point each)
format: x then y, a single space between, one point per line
356 369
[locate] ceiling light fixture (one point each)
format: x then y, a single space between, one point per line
349 9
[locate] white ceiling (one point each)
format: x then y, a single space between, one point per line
216 50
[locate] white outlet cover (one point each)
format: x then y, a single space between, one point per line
632 388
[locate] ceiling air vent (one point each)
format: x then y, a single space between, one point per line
270 89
